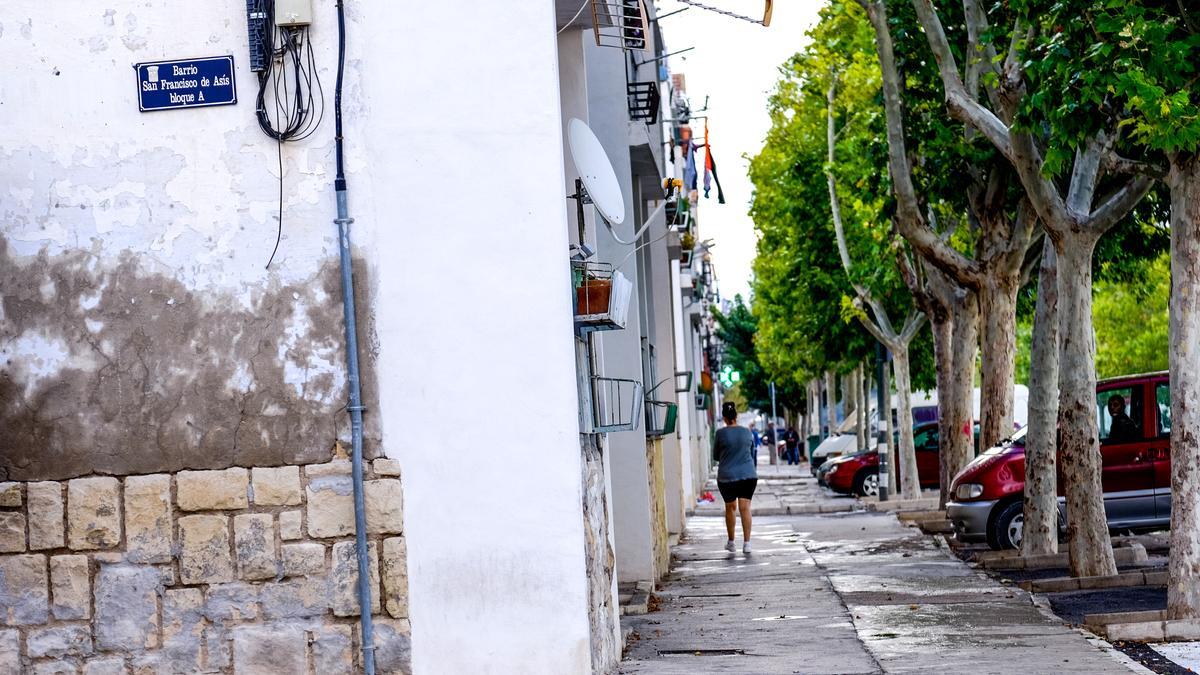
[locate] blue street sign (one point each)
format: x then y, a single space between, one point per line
186 83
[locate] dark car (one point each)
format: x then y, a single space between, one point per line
859 473
1135 448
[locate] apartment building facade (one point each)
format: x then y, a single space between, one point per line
176 476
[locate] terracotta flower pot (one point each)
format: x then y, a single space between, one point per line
592 296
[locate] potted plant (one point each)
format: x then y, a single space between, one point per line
687 243
592 296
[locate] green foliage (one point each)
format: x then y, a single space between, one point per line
1131 323
808 322
737 331
1129 312
1132 63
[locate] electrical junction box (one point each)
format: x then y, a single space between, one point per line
293 13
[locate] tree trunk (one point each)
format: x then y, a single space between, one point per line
955 319
860 411
998 337
1090 546
830 401
804 420
958 447
1183 589
910 482
890 430
943 353
866 404
818 385
1040 535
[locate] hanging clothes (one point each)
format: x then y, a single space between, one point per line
707 160
689 166
712 163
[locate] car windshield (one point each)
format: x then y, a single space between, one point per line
1017 439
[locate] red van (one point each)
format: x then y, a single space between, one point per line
1134 415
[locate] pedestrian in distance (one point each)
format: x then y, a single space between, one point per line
791 441
736 474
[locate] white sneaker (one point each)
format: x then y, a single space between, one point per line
729 546
746 548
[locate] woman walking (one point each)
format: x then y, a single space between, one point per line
736 475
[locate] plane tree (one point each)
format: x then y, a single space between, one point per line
802 151
1132 108
1068 182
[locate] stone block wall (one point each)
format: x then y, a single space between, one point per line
230 571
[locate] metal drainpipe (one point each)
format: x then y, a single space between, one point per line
355 408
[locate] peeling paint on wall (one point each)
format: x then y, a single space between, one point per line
139 330
108 368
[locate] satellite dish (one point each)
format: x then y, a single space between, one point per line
596 172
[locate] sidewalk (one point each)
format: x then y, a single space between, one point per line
783 490
845 593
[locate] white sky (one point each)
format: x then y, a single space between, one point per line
735 63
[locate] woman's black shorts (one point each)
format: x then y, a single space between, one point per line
737 489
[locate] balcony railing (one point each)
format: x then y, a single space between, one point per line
644 101
623 24
601 296
616 404
661 417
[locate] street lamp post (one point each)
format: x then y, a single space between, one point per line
884 459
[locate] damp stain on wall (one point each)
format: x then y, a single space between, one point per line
108 367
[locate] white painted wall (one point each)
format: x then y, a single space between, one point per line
686 399
193 192
189 195
455 167
476 333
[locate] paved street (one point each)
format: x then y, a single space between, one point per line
852 592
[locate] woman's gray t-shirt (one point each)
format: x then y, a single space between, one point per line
735 453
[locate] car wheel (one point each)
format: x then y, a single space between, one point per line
866 483
1006 529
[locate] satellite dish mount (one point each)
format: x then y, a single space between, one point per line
597 182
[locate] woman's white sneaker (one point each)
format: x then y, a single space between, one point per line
746 548
730 546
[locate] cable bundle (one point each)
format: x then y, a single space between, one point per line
290 101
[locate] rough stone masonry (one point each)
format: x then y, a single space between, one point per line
227 571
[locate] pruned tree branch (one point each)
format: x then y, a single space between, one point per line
962 105
980 57
1114 163
908 210
912 323
882 328
1119 204
1041 190
1033 256
1084 176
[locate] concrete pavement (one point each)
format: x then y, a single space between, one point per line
784 490
845 593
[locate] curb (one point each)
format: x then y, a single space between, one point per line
1126 555
1122 580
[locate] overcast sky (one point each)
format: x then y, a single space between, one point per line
735 64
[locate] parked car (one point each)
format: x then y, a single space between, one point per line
859 473
834 446
1134 415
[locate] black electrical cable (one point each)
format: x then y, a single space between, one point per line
291 82
279 221
340 178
